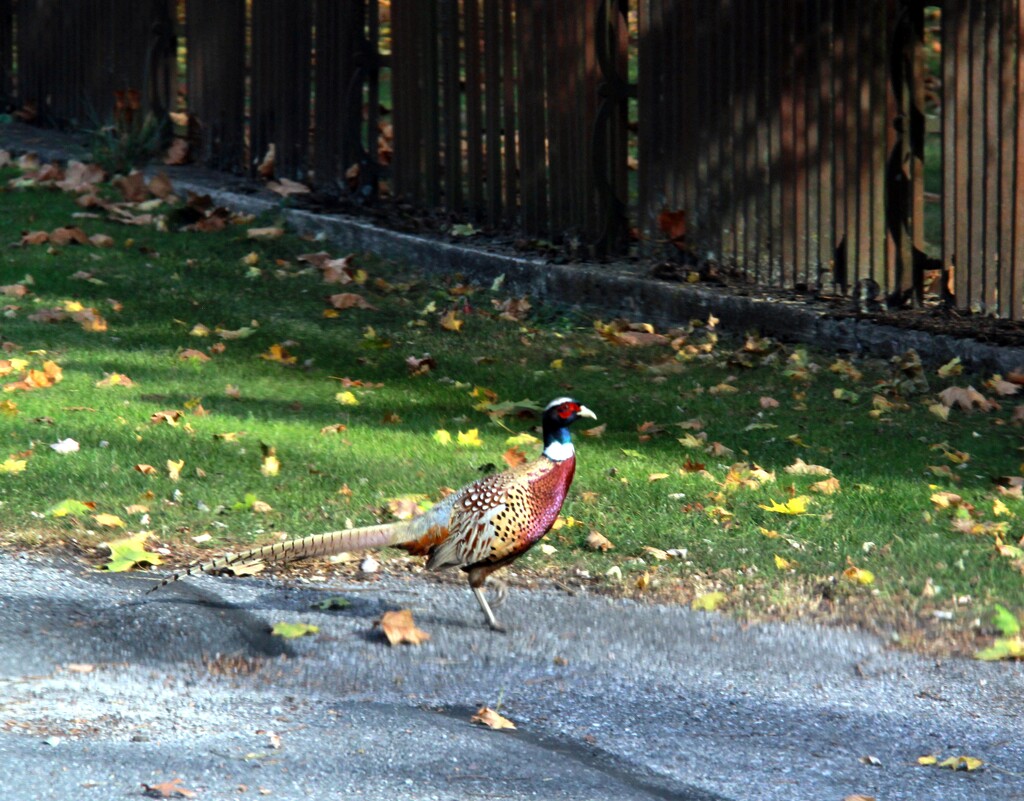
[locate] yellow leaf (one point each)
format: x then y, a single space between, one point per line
1000 509
940 411
802 468
347 398
271 466
657 476
784 564
794 506
108 521
442 437
470 439
200 330
277 353
290 631
556 364
547 549
491 719
10 466
709 601
858 575
961 763
927 760
769 533
564 522
522 439
449 322
174 468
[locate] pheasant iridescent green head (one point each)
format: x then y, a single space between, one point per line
558 416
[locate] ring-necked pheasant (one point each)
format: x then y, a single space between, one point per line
480 528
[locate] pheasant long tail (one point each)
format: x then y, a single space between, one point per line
333 542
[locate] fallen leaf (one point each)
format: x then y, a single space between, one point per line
858 575
442 437
927 760
270 466
347 398
265 233
656 553
174 468
171 789
193 354
830 486
350 300
794 506
12 466
709 601
967 398
784 564
801 468
398 627
470 439
967 763
514 457
146 469
65 446
115 380
277 353
449 322
108 520
596 431
290 631
491 719
597 541
127 552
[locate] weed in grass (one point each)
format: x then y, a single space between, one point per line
700 426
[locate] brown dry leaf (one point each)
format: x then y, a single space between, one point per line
14 290
67 235
79 177
265 233
514 457
398 627
830 486
491 719
657 476
160 185
192 353
859 797
169 416
350 300
133 187
596 431
802 468
690 466
171 789
768 403
177 153
967 398
102 240
337 428
286 186
1000 386
420 366
673 225
656 553
146 469
115 380
597 541
35 238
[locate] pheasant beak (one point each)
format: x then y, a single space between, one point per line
585 412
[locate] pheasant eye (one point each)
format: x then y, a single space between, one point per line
567 410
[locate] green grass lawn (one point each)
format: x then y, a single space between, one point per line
746 409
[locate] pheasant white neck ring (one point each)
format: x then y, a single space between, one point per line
559 451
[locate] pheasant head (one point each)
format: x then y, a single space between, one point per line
558 416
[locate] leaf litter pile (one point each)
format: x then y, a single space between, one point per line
180 379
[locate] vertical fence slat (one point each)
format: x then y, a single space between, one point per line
976 149
990 262
474 109
492 101
337 107
6 53
216 81
509 105
1016 305
451 98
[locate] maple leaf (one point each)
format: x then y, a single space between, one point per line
829 486
174 468
794 506
350 300
514 457
802 468
422 365
486 716
290 631
708 601
597 541
130 551
967 398
12 466
442 437
398 627
449 322
347 398
784 564
67 445
69 506
277 353
108 520
115 380
858 575
470 439
171 789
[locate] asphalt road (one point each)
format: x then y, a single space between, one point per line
612 699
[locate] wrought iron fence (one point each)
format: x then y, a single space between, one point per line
819 145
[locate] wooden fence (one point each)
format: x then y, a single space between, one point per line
816 145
